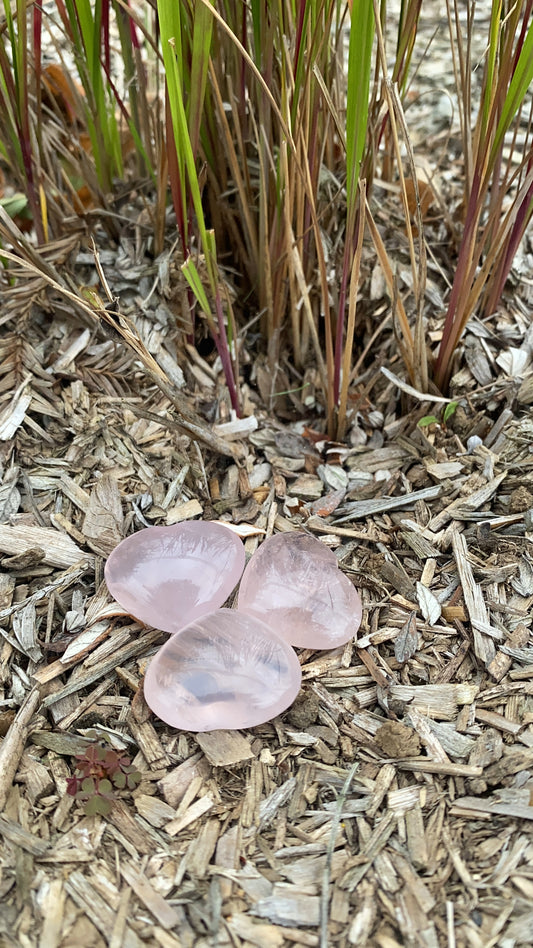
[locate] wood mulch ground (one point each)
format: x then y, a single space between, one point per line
392 804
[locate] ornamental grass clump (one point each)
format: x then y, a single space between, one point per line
498 182
269 124
277 137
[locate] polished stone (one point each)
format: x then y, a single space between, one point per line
169 576
294 584
225 670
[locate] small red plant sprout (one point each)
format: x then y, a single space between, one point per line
101 772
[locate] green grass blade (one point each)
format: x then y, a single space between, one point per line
518 88
358 81
201 46
181 134
170 26
190 272
491 65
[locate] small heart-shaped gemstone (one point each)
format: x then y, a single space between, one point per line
225 670
294 584
169 576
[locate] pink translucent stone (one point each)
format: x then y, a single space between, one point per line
225 670
169 576
293 583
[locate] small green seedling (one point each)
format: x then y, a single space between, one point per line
101 772
428 420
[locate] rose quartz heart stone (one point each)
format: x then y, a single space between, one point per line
169 576
294 584
225 670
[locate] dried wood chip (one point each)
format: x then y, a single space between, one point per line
289 906
309 870
14 414
77 494
82 643
443 470
374 844
383 781
306 486
420 546
422 766
153 810
124 820
487 749
174 785
286 466
451 741
333 476
25 630
227 853
322 526
148 742
66 744
389 458
422 727
104 665
437 701
463 506
186 511
193 813
254 883
164 913
429 604
61 582
475 604
271 804
24 561
14 742
52 909
501 663
201 850
365 508
525 392
399 579
21 837
256 933
9 497
416 837
36 776
519 930
97 909
58 548
511 762
406 642
103 523
78 344
327 503
477 807
224 748
7 588
408 797
239 428
363 921
478 363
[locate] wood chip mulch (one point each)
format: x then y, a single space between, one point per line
391 805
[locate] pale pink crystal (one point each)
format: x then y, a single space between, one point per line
169 576
225 670
294 584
